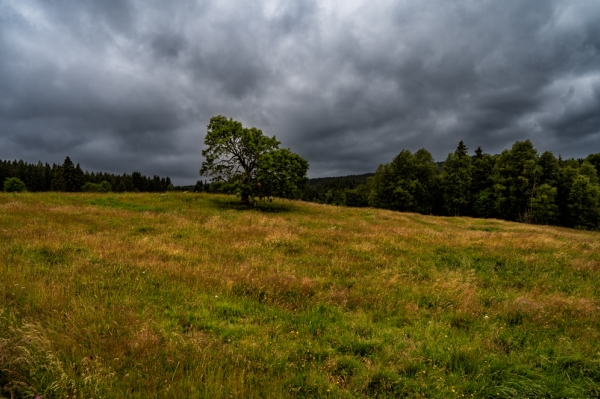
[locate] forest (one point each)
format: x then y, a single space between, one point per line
517 185
71 178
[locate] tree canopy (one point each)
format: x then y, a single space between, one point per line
245 161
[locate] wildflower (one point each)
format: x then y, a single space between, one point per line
216 296
486 317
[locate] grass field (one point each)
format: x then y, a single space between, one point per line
194 296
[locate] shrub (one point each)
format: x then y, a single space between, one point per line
14 185
103 187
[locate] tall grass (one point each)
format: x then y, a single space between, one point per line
196 296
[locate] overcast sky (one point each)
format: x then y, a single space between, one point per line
126 85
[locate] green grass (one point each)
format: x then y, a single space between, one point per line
196 296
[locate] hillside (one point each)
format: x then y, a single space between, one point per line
193 296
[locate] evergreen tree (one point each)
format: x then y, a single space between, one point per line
478 153
456 183
138 182
71 176
58 180
79 177
461 150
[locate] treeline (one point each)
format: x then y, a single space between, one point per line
332 190
517 185
324 190
71 178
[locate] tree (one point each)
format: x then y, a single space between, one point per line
482 185
358 197
550 169
72 175
281 173
584 203
462 150
456 181
105 186
566 177
407 184
594 159
137 180
543 206
247 162
199 187
382 189
516 175
14 185
588 170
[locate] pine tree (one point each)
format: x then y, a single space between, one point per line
70 176
478 153
138 181
58 180
461 150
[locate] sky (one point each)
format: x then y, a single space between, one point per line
126 85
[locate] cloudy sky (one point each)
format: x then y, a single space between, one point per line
124 85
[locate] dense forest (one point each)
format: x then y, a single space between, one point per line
71 178
517 185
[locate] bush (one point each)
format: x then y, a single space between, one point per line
14 185
106 187
103 187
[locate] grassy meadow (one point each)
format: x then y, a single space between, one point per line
185 295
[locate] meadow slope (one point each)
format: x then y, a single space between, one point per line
193 296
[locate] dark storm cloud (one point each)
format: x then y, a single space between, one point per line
129 85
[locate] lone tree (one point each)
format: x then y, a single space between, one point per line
247 162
